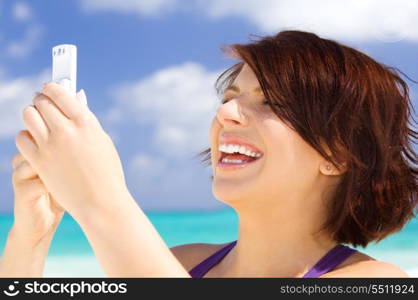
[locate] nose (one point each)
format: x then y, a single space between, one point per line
231 114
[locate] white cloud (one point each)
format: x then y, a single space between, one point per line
25 46
15 94
352 19
384 20
22 11
143 7
146 167
179 102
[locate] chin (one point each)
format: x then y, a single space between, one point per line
230 193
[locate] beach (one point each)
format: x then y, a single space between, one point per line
70 254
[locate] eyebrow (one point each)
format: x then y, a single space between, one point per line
236 89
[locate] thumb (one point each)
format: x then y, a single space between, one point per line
81 95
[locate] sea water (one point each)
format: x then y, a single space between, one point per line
70 254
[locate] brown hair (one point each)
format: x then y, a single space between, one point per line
335 95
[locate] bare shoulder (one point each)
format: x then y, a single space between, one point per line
362 265
190 255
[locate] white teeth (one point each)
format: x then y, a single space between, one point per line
237 148
235 161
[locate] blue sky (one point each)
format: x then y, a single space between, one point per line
148 69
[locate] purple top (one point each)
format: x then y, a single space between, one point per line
327 263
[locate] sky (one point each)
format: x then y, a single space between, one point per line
148 68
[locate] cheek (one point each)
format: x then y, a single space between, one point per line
287 160
290 159
280 139
281 152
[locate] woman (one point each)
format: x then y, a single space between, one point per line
310 146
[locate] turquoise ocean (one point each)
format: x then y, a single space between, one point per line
70 254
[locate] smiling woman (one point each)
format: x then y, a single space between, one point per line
336 161
311 147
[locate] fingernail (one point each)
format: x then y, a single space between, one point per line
44 84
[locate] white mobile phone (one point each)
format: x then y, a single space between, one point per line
64 66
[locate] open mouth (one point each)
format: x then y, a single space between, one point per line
233 156
236 158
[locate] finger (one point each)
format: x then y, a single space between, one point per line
31 188
35 123
26 144
24 171
49 112
64 100
17 159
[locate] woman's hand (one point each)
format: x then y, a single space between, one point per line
78 163
36 217
36 213
73 155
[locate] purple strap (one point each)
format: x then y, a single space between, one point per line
327 263
201 269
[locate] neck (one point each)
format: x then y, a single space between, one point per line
281 243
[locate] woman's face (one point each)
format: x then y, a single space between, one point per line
287 168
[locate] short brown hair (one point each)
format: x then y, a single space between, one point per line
333 94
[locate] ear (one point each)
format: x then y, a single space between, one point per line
329 169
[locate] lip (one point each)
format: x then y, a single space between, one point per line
229 138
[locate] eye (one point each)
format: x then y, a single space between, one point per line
265 101
224 100
269 102
272 103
